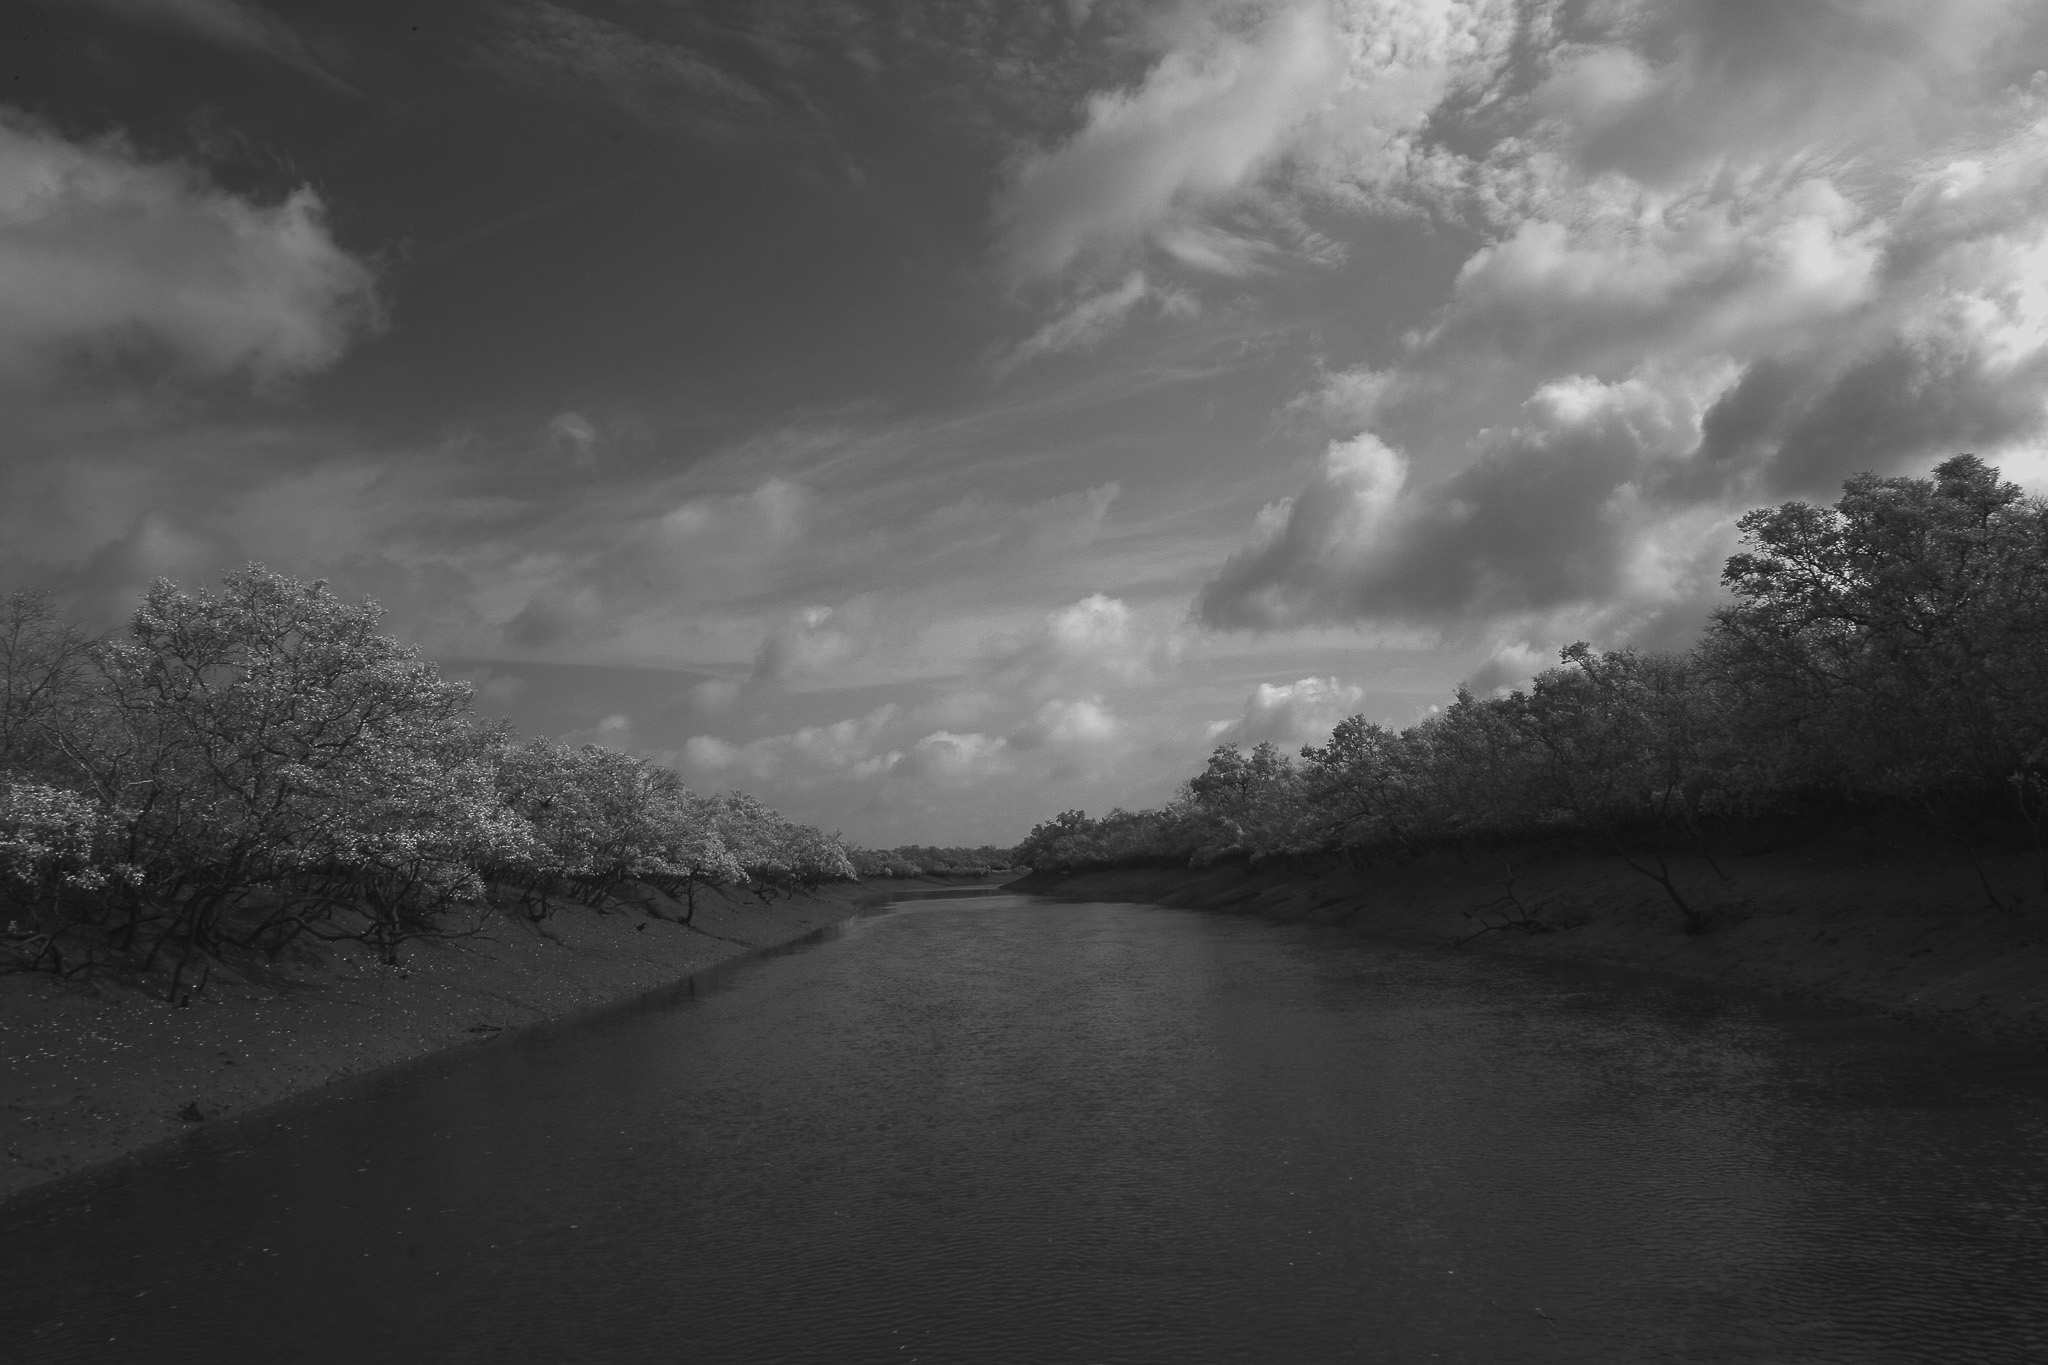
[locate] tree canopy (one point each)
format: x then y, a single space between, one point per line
258 766
1886 652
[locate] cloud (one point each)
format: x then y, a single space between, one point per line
1682 275
1292 714
1721 256
1036 709
953 759
809 646
703 550
105 256
1090 319
230 23
1079 720
614 731
664 84
1511 664
1095 642
801 758
1206 119
1547 516
1245 101
577 434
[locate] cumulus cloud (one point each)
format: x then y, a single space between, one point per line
808 646
1079 720
1094 642
1292 714
1246 99
868 751
614 731
800 758
1683 276
1546 516
106 255
1724 254
1038 707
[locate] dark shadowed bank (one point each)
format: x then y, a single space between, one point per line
90 1072
1887 931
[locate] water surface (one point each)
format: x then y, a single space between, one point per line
1011 1130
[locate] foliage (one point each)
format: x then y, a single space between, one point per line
259 765
1889 652
927 860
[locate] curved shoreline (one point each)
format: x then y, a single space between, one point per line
1886 933
90 1075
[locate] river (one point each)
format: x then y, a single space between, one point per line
1013 1130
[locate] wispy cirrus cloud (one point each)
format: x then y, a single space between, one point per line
238 24
1091 318
664 83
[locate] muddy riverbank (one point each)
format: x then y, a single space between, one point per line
1901 934
90 1072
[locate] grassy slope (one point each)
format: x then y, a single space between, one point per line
1905 935
90 1073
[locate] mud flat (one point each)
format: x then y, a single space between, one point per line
1904 935
92 1072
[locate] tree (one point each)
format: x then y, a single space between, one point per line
237 741
1896 643
1249 803
1621 738
44 685
1360 786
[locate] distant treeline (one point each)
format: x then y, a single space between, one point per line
924 860
261 767
1884 660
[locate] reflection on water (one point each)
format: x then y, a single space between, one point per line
1004 1130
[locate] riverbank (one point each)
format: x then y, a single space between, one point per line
92 1072
1900 934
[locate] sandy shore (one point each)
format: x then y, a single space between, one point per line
88 1074
1882 932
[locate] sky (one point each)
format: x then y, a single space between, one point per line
932 415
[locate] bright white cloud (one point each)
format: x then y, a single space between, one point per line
1037 710
1679 275
1292 714
1094 642
1079 720
1244 97
103 253
799 759
1547 516
1722 257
